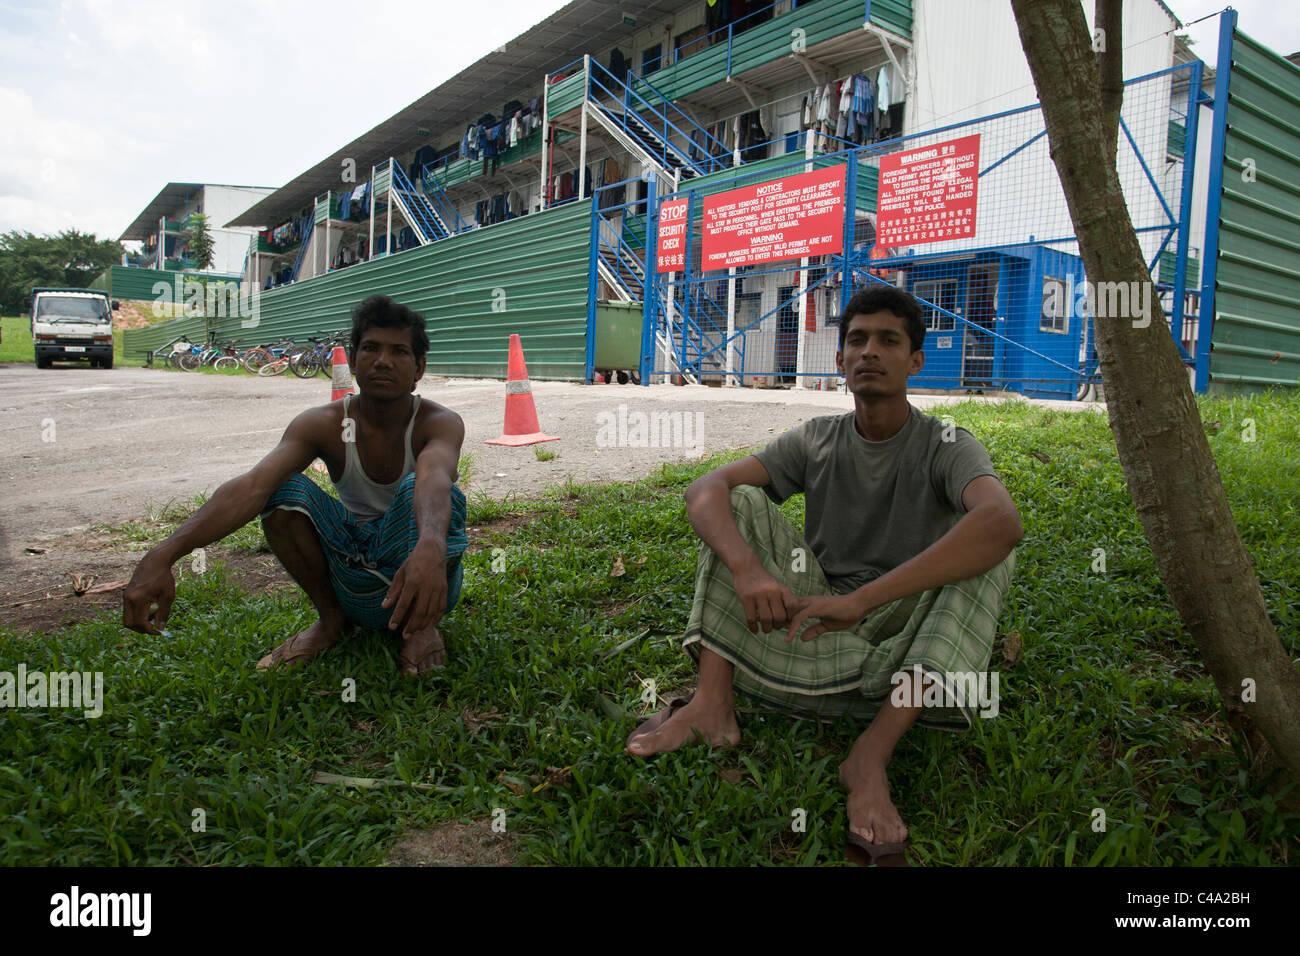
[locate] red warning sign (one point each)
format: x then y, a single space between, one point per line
788 218
928 194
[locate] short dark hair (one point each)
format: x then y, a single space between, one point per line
379 311
886 298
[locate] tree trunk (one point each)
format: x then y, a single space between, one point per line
1171 473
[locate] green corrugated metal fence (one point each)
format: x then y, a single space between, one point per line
1256 335
137 343
527 275
124 282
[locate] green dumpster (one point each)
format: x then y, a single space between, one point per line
618 335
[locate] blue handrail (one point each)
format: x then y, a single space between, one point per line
439 199
714 154
426 223
661 127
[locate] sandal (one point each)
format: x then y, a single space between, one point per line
879 854
286 656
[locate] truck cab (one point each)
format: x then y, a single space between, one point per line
72 325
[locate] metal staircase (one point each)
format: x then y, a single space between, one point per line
415 209
650 126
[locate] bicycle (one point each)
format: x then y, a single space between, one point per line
259 357
318 358
280 355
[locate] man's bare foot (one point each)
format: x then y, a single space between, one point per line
872 814
304 645
716 725
422 651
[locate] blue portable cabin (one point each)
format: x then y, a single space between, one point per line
1029 296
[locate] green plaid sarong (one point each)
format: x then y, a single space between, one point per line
943 631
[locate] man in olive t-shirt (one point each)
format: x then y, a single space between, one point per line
912 541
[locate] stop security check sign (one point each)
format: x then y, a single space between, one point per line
786 218
927 194
670 254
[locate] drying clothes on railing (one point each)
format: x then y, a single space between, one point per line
423 155
610 173
493 210
355 204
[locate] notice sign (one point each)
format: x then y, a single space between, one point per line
671 253
788 218
927 194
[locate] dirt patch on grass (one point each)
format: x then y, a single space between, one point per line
133 314
38 592
481 535
454 844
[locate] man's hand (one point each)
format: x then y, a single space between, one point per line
767 602
151 584
418 594
834 612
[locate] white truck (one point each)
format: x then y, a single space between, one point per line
72 325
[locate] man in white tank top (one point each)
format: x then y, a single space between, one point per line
386 553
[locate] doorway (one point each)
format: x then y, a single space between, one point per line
978 345
787 335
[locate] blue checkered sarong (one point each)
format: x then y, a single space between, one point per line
363 557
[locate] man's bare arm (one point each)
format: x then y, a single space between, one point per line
768 603
231 506
982 539
418 594
979 542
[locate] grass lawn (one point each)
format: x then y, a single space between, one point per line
1106 708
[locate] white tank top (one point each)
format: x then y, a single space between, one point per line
364 498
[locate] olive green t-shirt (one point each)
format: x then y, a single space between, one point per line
871 506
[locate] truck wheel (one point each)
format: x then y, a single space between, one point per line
106 363
43 362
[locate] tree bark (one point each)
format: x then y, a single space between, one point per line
1171 473
1108 22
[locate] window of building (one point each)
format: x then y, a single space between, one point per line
1056 310
650 58
941 293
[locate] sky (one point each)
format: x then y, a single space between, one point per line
102 103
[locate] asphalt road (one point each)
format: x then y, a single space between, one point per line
85 446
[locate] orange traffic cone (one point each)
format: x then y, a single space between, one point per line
340 375
521 426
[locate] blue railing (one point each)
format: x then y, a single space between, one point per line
759 16
439 201
657 124
425 221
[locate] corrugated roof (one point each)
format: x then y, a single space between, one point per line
583 26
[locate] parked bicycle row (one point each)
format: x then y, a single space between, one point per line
272 358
